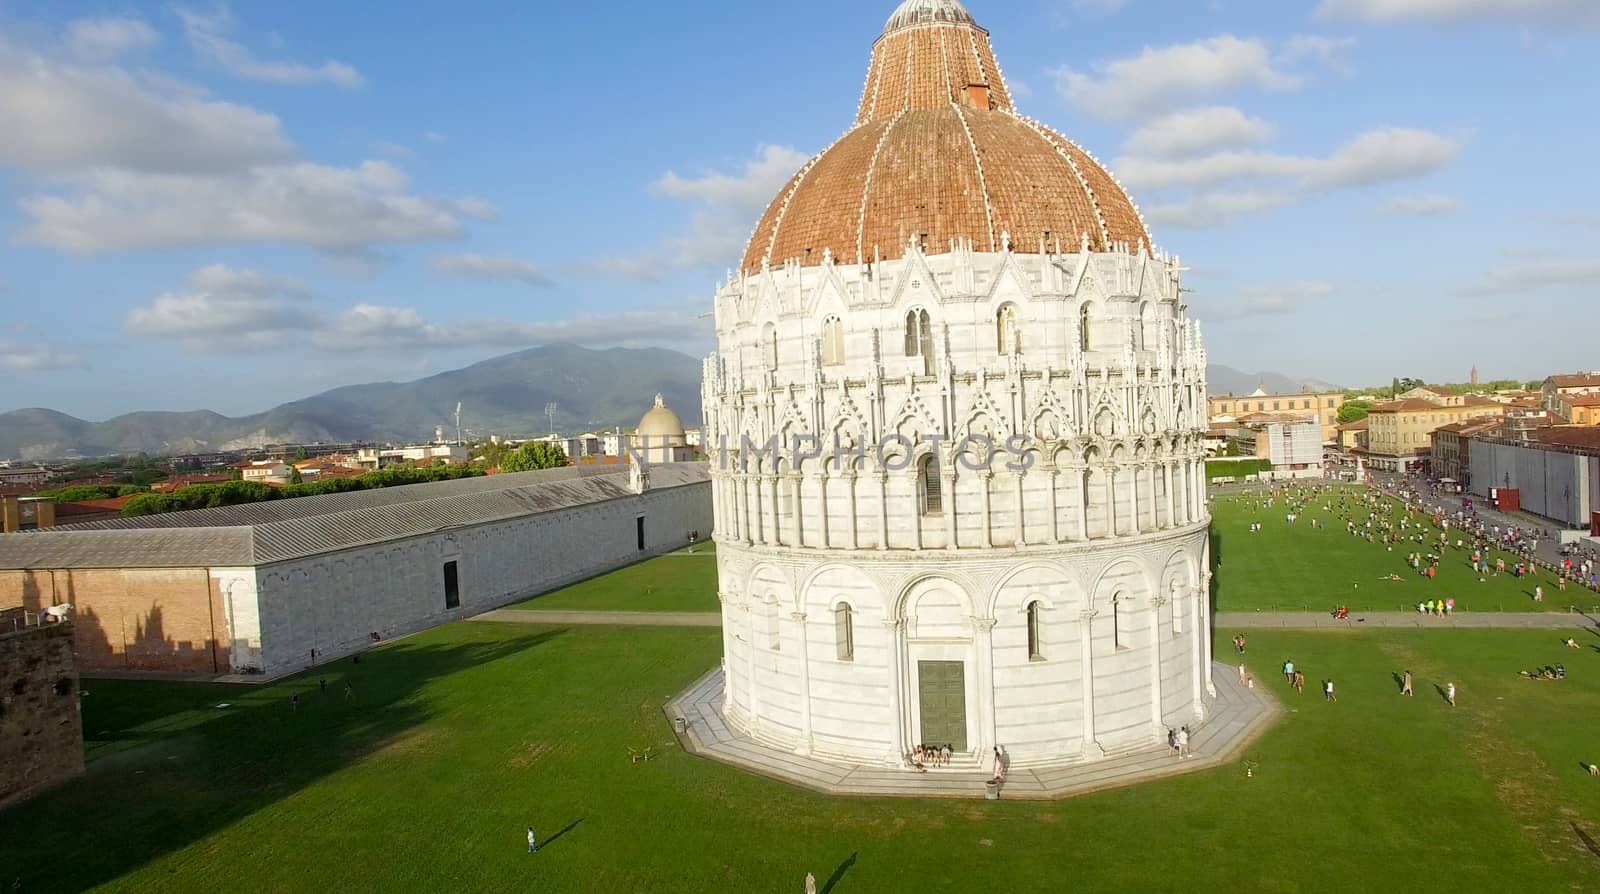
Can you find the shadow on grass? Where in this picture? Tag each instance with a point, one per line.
(1584, 837)
(165, 794)
(838, 874)
(568, 828)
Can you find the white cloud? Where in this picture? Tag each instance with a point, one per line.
(1536, 275)
(1213, 209)
(370, 327)
(209, 34)
(1191, 132)
(59, 118)
(1381, 155)
(104, 38)
(36, 357)
(339, 210)
(720, 224)
(224, 309)
(476, 208)
(1328, 51)
(1258, 301)
(1159, 79)
(1421, 206)
(495, 268)
(750, 190)
(1580, 13)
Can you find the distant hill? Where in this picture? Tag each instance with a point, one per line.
(1227, 380)
(503, 395)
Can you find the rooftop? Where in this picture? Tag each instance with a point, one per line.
(1575, 380)
(282, 530)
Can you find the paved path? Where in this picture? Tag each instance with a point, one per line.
(619, 619)
(1358, 620)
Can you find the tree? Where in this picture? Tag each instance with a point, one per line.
(533, 456)
(295, 477)
(1401, 386)
(301, 455)
(1354, 411)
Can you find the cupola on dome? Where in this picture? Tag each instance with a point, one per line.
(939, 155)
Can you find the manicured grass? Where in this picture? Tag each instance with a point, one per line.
(460, 737)
(683, 581)
(1286, 567)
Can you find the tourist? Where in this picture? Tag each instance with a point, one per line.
(1572, 643)
(1172, 742)
(1405, 684)
(349, 691)
(811, 884)
(1288, 672)
(1183, 743)
(1538, 593)
(1299, 682)
(294, 702)
(322, 685)
(944, 756)
(1450, 606)
(1594, 770)
(1238, 643)
(1450, 693)
(999, 767)
(533, 842)
(1243, 677)
(1327, 691)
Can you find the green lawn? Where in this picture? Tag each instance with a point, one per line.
(460, 737)
(1299, 568)
(683, 581)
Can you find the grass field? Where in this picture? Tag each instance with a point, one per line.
(459, 738)
(683, 581)
(1296, 567)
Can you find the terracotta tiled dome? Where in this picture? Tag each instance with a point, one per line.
(939, 153)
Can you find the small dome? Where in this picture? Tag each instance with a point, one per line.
(662, 426)
(919, 12)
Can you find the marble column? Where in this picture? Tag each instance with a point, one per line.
(795, 484)
(850, 489)
(897, 659)
(1197, 632)
(883, 509)
(983, 642)
(1091, 747)
(1155, 514)
(1018, 522)
(1082, 495)
(1053, 479)
(1112, 473)
(1155, 661)
(1133, 500)
(984, 478)
(822, 509)
(1203, 624)
(743, 495)
(918, 517)
(804, 746)
(947, 480)
(1172, 517)
(769, 487)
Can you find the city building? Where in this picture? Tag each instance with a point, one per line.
(1556, 387)
(275, 587)
(1323, 404)
(266, 471)
(1555, 471)
(950, 269)
(660, 437)
(23, 477)
(19, 513)
(1353, 436)
(371, 458)
(1294, 448)
(1451, 455)
(1400, 432)
(1578, 409)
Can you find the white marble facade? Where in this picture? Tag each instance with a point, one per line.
(1053, 598)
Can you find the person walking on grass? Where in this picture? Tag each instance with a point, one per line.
(1299, 682)
(1450, 693)
(533, 842)
(1288, 672)
(1327, 691)
(1405, 684)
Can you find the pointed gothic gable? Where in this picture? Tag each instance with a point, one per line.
(916, 285)
(983, 416)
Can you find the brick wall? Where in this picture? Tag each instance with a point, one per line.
(41, 733)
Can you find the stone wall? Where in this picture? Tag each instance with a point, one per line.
(41, 733)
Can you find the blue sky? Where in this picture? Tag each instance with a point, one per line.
(229, 207)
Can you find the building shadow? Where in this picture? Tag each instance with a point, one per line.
(228, 763)
(838, 874)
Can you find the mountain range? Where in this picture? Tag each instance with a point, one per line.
(506, 395)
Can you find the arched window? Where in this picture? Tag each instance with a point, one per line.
(832, 342)
(919, 338)
(1085, 327)
(1144, 326)
(929, 487)
(774, 635)
(769, 345)
(1035, 648)
(844, 631)
(1116, 623)
(1005, 325)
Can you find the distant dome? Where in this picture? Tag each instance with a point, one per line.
(662, 426)
(919, 12)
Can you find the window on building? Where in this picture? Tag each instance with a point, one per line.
(1261, 407)
(1005, 326)
(1330, 403)
(844, 632)
(638, 530)
(919, 337)
(832, 342)
(769, 345)
(452, 586)
(1305, 405)
(1035, 649)
(774, 633)
(1275, 405)
(1142, 333)
(929, 487)
(1086, 327)
(1116, 623)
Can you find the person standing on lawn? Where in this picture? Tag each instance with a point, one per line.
(1405, 684)
(533, 842)
(1450, 693)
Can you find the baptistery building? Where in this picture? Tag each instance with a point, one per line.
(954, 421)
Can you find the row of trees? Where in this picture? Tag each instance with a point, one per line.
(79, 493)
(236, 493)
